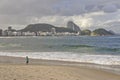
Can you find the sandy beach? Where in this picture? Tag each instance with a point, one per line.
(13, 68)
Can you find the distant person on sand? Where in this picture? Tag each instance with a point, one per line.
(27, 60)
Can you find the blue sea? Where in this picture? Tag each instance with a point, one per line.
(103, 50)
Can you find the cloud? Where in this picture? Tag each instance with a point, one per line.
(84, 21)
(54, 7)
(76, 7)
(26, 7)
(110, 8)
(108, 21)
(85, 13)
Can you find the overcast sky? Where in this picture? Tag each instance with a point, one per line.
(88, 14)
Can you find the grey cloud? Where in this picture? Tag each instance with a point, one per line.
(55, 7)
(109, 8)
(68, 8)
(76, 7)
(26, 7)
(89, 7)
(20, 12)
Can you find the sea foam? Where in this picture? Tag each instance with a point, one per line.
(68, 56)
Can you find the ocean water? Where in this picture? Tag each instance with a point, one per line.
(100, 50)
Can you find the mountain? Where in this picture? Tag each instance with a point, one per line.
(72, 28)
(86, 32)
(71, 25)
(44, 28)
(101, 32)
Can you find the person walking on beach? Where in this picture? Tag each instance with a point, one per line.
(27, 60)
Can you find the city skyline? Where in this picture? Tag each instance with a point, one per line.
(90, 14)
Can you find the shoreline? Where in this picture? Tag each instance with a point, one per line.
(16, 69)
(21, 61)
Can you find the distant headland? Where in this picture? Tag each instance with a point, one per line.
(43, 29)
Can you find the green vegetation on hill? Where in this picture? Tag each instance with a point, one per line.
(86, 32)
(101, 32)
(44, 28)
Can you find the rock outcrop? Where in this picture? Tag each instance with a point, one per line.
(71, 25)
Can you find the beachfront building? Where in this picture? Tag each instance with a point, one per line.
(29, 33)
(12, 32)
(1, 31)
(53, 31)
(8, 32)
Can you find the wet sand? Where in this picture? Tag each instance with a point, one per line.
(14, 68)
